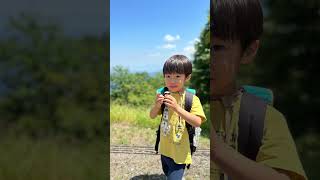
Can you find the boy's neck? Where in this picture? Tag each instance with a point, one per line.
(180, 91)
(227, 93)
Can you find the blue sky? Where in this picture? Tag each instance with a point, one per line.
(144, 33)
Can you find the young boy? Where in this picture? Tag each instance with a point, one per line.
(236, 26)
(174, 138)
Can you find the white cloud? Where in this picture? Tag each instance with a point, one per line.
(170, 38)
(194, 41)
(189, 50)
(169, 41)
(169, 46)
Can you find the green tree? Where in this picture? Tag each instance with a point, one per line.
(287, 60)
(201, 65)
(133, 88)
(52, 84)
(287, 63)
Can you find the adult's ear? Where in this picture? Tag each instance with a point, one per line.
(250, 52)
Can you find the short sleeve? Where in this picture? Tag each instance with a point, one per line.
(278, 149)
(197, 109)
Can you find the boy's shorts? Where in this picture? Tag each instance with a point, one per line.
(172, 170)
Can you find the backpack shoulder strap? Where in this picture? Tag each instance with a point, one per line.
(187, 106)
(251, 123)
(190, 129)
(156, 146)
(188, 101)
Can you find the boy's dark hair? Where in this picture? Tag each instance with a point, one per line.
(177, 64)
(236, 20)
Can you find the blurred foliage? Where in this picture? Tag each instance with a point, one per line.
(287, 60)
(308, 146)
(201, 65)
(137, 89)
(51, 158)
(287, 64)
(52, 84)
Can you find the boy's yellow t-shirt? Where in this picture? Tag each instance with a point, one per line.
(179, 151)
(278, 149)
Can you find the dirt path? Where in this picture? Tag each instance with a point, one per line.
(137, 160)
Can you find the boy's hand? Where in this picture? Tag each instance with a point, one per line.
(159, 100)
(171, 102)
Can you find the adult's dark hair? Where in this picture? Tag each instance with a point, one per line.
(236, 20)
(177, 64)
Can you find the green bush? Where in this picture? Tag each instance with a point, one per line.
(206, 125)
(52, 159)
(136, 89)
(309, 150)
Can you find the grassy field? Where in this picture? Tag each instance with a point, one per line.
(124, 134)
(51, 159)
(139, 116)
(133, 126)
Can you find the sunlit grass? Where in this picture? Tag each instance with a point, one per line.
(139, 116)
(133, 126)
(25, 159)
(132, 115)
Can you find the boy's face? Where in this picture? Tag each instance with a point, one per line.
(175, 82)
(225, 64)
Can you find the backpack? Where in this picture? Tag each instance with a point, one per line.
(191, 130)
(253, 107)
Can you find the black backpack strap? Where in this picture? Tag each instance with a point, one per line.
(190, 129)
(156, 146)
(188, 101)
(251, 123)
